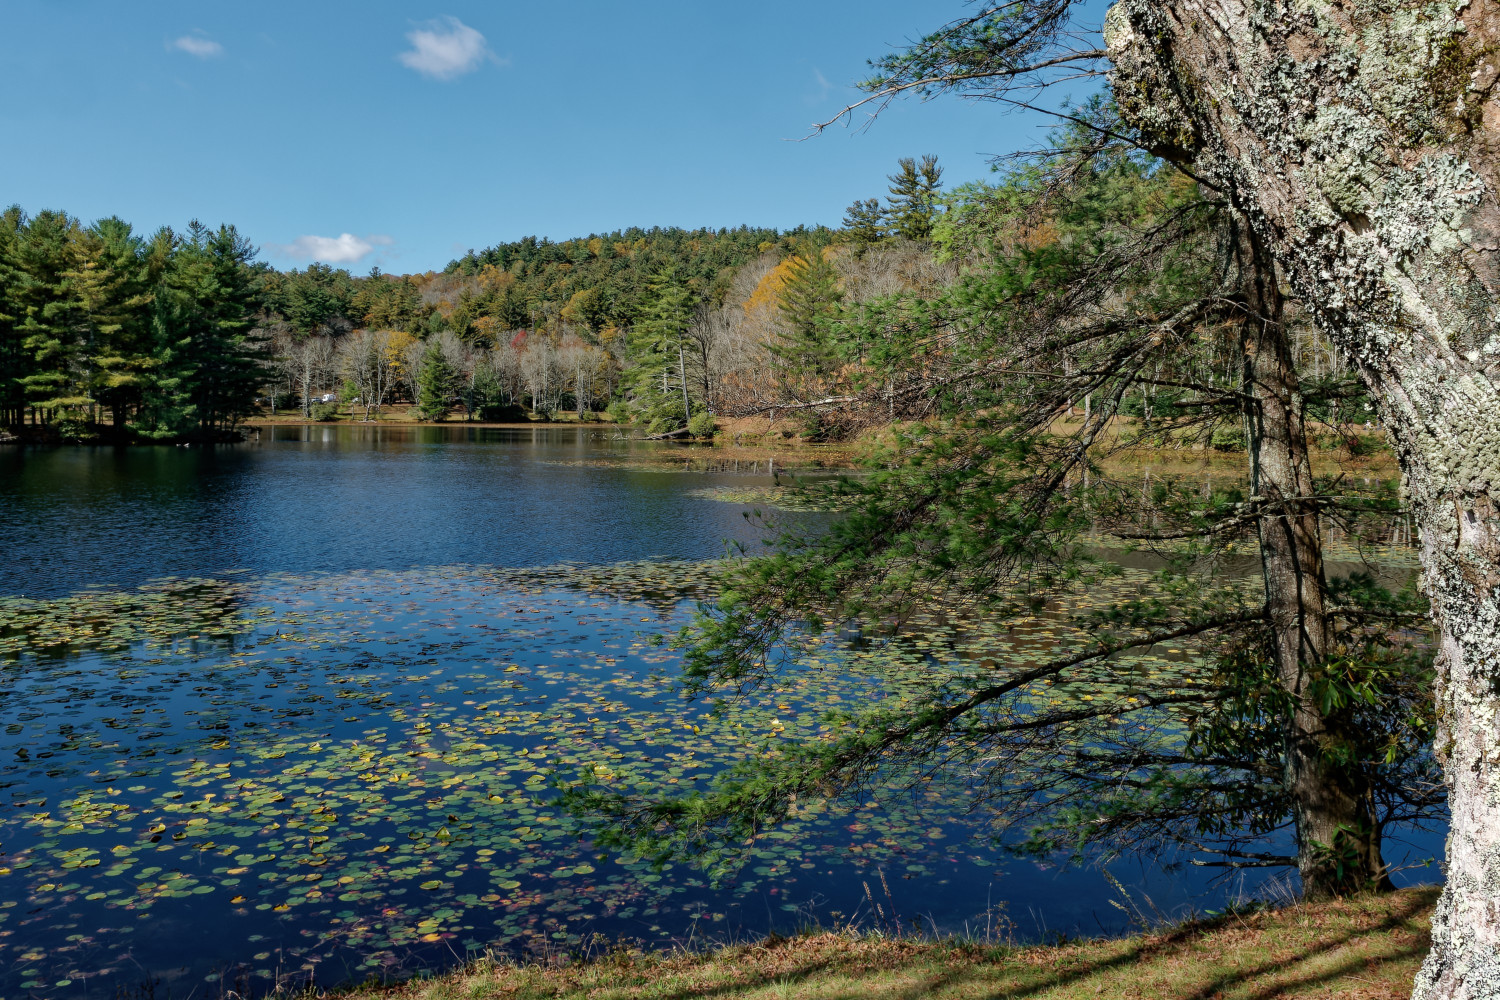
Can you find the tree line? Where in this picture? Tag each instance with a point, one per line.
(105, 332)
(156, 334)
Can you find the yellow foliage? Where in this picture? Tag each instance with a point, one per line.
(767, 294)
(492, 277)
(582, 300)
(487, 327)
(395, 350)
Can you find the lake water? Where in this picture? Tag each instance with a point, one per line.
(292, 711)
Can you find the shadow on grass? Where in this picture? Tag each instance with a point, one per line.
(1188, 963)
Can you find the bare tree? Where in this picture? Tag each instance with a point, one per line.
(310, 363)
(505, 359)
(369, 360)
(411, 367)
(538, 364)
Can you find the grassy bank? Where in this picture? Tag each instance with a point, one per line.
(1359, 949)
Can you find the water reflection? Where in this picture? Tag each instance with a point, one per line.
(328, 499)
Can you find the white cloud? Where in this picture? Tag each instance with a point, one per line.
(345, 248)
(444, 49)
(822, 88)
(198, 44)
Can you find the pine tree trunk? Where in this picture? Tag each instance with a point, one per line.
(1331, 804)
(1362, 139)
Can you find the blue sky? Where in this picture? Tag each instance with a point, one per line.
(402, 132)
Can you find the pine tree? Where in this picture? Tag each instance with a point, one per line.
(864, 224)
(111, 284)
(809, 303)
(54, 385)
(434, 383)
(912, 205)
(657, 356)
(15, 363)
(210, 359)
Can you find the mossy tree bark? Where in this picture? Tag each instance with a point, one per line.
(1362, 140)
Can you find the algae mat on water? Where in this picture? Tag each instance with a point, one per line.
(348, 775)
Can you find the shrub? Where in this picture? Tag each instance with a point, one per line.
(703, 424)
(72, 428)
(1228, 438)
(325, 411)
(663, 425)
(502, 413)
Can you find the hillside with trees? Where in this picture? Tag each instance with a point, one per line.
(100, 336)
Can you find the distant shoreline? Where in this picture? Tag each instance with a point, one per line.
(401, 422)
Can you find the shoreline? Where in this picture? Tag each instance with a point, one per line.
(1369, 947)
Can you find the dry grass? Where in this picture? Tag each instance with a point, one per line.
(1367, 948)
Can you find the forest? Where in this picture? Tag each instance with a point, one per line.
(109, 334)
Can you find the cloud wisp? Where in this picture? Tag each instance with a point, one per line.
(346, 248)
(822, 88)
(444, 49)
(199, 45)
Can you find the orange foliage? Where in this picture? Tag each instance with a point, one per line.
(1043, 234)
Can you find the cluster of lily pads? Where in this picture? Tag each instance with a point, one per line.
(789, 497)
(356, 775)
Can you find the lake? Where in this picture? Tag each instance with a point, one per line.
(293, 711)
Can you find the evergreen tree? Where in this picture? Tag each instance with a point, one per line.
(864, 224)
(317, 300)
(53, 332)
(210, 357)
(657, 373)
(808, 307)
(912, 205)
(15, 362)
(511, 311)
(434, 383)
(111, 281)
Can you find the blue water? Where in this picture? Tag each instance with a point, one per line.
(339, 498)
(329, 759)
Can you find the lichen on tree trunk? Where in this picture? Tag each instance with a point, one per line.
(1362, 141)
